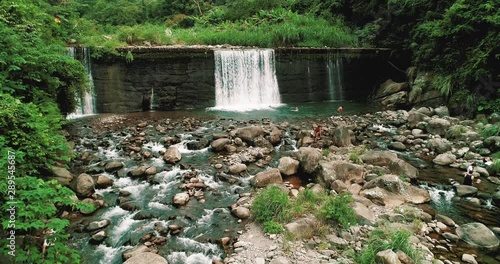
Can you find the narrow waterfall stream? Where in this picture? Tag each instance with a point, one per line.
(245, 80)
(86, 100)
(335, 77)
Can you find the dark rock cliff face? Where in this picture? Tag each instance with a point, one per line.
(177, 82)
(306, 76)
(184, 79)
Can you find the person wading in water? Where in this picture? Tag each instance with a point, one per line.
(469, 177)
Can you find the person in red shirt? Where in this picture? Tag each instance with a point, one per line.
(340, 110)
(317, 132)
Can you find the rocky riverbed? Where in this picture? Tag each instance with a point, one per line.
(180, 188)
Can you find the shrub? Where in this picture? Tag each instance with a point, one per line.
(307, 201)
(490, 130)
(455, 131)
(381, 240)
(338, 209)
(495, 166)
(29, 137)
(272, 227)
(270, 205)
(325, 152)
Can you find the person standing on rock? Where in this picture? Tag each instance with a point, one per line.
(317, 132)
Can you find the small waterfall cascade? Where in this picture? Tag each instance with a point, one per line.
(152, 100)
(245, 80)
(85, 101)
(335, 70)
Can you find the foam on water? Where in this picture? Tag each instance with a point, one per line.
(155, 147)
(206, 248)
(114, 211)
(245, 107)
(158, 205)
(109, 153)
(383, 128)
(182, 147)
(109, 254)
(136, 190)
(157, 162)
(183, 258)
(122, 228)
(209, 180)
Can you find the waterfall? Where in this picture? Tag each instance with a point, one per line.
(245, 80)
(335, 80)
(151, 100)
(86, 102)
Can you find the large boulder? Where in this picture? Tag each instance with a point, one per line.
(390, 87)
(103, 181)
(172, 155)
(478, 235)
(113, 166)
(241, 212)
(94, 225)
(248, 134)
(265, 178)
(136, 251)
(438, 145)
(415, 117)
(308, 158)
(394, 100)
(387, 257)
(341, 137)
(288, 166)
(219, 145)
(303, 227)
(363, 213)
(438, 126)
(275, 136)
(61, 175)
(492, 143)
(390, 160)
(146, 257)
(329, 171)
(390, 191)
(237, 168)
(84, 185)
(444, 159)
(180, 199)
(465, 190)
(442, 111)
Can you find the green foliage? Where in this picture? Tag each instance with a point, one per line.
(337, 209)
(490, 130)
(32, 131)
(36, 209)
(272, 227)
(31, 67)
(382, 240)
(495, 166)
(270, 205)
(355, 155)
(442, 84)
(325, 152)
(455, 131)
(129, 57)
(306, 202)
